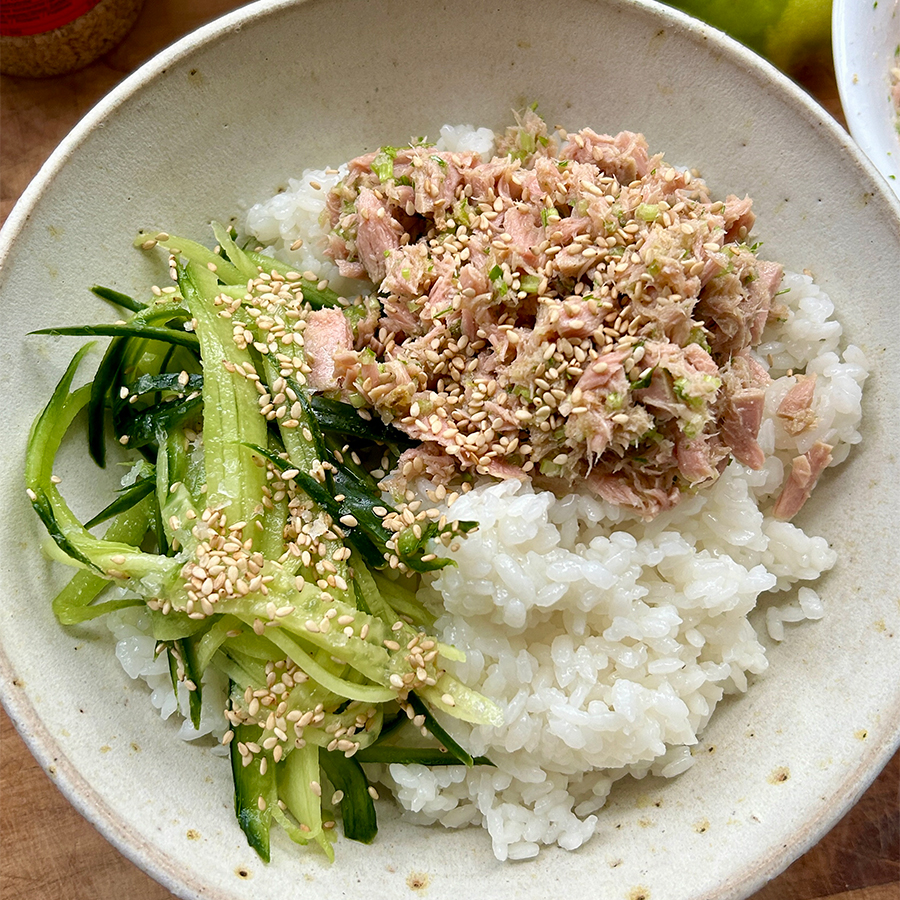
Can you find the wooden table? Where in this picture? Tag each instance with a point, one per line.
(47, 851)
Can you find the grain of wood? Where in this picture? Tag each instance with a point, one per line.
(881, 892)
(49, 852)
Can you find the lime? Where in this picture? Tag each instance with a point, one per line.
(790, 33)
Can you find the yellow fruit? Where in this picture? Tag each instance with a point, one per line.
(791, 33)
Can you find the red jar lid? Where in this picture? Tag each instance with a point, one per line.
(20, 18)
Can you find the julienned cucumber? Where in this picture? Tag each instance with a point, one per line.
(252, 544)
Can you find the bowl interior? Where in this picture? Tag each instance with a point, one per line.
(866, 39)
(223, 119)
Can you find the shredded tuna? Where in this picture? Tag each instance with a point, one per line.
(742, 408)
(805, 472)
(795, 410)
(327, 334)
(574, 310)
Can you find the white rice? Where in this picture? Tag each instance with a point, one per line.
(296, 213)
(135, 650)
(607, 641)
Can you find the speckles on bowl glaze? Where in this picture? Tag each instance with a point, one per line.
(417, 881)
(638, 893)
(779, 775)
(193, 834)
(243, 873)
(701, 826)
(700, 749)
(861, 734)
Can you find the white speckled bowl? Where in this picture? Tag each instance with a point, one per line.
(224, 117)
(865, 37)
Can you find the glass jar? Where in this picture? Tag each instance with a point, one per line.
(40, 38)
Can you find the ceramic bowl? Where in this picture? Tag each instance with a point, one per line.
(866, 43)
(223, 118)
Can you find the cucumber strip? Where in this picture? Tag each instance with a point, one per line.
(210, 641)
(371, 596)
(366, 693)
(322, 737)
(174, 500)
(166, 381)
(344, 419)
(239, 674)
(423, 756)
(115, 559)
(235, 291)
(438, 732)
(73, 603)
(118, 561)
(468, 705)
(315, 296)
(174, 625)
(142, 428)
(270, 541)
(119, 299)
(251, 648)
(151, 332)
(249, 787)
(303, 453)
(251, 645)
(101, 609)
(194, 252)
(128, 497)
(298, 835)
(230, 410)
(357, 807)
(238, 258)
(192, 671)
(403, 600)
(173, 669)
(295, 778)
(107, 374)
(48, 428)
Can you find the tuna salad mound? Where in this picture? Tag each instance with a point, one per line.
(466, 473)
(574, 309)
(588, 336)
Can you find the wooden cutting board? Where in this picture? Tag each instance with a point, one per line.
(47, 851)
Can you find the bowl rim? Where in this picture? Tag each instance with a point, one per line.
(23, 714)
(853, 101)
